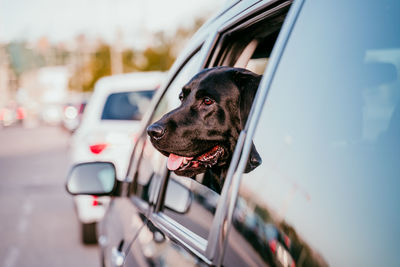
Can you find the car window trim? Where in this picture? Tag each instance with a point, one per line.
(196, 245)
(264, 12)
(234, 24)
(191, 241)
(138, 149)
(204, 47)
(206, 249)
(236, 171)
(133, 161)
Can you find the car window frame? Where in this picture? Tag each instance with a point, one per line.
(235, 173)
(204, 248)
(259, 13)
(136, 156)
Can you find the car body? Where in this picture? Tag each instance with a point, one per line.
(108, 131)
(11, 115)
(72, 115)
(326, 123)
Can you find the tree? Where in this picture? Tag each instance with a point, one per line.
(158, 56)
(88, 73)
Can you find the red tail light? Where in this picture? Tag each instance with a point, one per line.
(98, 148)
(20, 113)
(95, 202)
(272, 245)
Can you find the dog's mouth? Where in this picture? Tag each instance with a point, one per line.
(205, 160)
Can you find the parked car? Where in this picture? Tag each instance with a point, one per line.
(12, 114)
(326, 123)
(107, 133)
(72, 115)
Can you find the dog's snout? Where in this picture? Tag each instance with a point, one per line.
(156, 131)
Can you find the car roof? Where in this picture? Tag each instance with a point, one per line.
(137, 81)
(130, 81)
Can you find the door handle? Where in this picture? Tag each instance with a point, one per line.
(117, 255)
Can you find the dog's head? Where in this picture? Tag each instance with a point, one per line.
(202, 132)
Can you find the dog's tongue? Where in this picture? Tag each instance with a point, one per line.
(174, 161)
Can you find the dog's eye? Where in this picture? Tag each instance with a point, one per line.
(181, 97)
(208, 101)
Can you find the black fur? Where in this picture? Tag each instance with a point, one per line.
(194, 127)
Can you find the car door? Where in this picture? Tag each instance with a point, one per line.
(326, 125)
(160, 230)
(181, 227)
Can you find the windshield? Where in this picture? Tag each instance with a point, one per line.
(126, 105)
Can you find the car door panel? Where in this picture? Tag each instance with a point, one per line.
(119, 228)
(326, 193)
(183, 242)
(154, 248)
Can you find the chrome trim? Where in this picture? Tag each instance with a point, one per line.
(212, 252)
(233, 18)
(177, 66)
(213, 46)
(191, 241)
(142, 205)
(254, 7)
(214, 237)
(137, 150)
(117, 257)
(256, 110)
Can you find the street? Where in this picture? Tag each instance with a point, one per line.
(38, 226)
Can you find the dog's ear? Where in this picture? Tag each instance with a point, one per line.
(247, 82)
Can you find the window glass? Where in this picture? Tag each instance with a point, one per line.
(126, 105)
(200, 205)
(250, 47)
(152, 163)
(329, 137)
(246, 48)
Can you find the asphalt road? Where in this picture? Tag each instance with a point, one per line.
(38, 225)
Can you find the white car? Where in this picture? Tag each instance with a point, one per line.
(108, 131)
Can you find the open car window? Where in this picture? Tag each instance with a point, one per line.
(151, 168)
(246, 46)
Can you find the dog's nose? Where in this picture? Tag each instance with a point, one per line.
(156, 131)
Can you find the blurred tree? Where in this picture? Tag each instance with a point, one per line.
(100, 65)
(159, 55)
(164, 49)
(88, 73)
(128, 60)
(23, 58)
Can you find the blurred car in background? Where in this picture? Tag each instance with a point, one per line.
(7, 117)
(107, 133)
(72, 115)
(51, 113)
(11, 114)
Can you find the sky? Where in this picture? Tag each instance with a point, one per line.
(62, 20)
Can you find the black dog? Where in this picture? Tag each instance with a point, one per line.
(200, 135)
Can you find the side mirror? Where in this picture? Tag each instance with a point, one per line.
(178, 198)
(92, 178)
